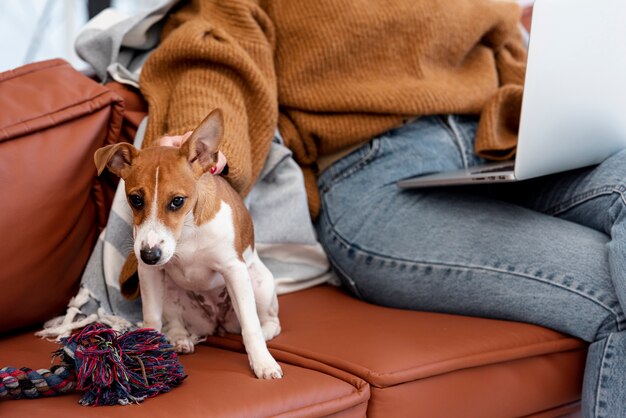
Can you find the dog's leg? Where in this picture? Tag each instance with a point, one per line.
(265, 297)
(151, 285)
(241, 294)
(176, 301)
(229, 321)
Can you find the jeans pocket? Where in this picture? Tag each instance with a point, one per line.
(350, 164)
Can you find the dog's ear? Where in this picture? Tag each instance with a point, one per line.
(117, 158)
(129, 280)
(203, 144)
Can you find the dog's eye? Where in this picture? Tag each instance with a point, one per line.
(177, 203)
(136, 201)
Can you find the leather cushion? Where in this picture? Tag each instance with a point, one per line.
(441, 365)
(220, 383)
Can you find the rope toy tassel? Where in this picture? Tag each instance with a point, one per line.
(111, 367)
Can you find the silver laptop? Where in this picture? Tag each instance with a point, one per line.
(574, 103)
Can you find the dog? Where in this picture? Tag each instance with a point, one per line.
(194, 237)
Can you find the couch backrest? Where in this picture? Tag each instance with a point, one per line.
(52, 205)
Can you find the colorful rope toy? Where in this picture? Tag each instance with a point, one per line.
(113, 368)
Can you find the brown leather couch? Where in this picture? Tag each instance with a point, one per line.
(341, 357)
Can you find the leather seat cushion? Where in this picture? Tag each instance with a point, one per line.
(440, 365)
(219, 383)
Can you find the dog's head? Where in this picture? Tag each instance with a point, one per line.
(161, 185)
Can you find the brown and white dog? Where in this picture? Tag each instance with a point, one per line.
(194, 238)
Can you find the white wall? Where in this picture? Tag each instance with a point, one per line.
(35, 30)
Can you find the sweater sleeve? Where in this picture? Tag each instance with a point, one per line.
(216, 54)
(496, 137)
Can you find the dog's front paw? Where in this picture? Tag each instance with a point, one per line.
(267, 369)
(183, 345)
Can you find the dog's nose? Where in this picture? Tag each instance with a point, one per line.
(150, 255)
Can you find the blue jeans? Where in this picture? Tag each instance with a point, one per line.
(550, 251)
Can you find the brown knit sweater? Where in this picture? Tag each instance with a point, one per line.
(332, 74)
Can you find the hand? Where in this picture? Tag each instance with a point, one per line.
(178, 140)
